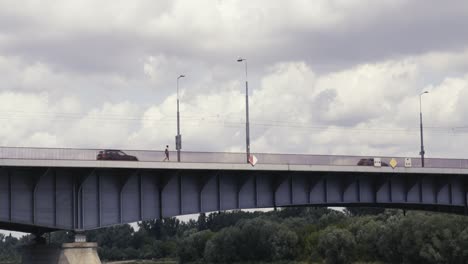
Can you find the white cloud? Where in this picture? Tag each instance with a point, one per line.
(378, 105)
(325, 76)
(366, 109)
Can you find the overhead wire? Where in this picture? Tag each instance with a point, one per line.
(228, 121)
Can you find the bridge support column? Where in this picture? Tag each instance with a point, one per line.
(78, 252)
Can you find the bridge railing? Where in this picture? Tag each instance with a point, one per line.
(220, 157)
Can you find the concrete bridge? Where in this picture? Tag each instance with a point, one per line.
(43, 190)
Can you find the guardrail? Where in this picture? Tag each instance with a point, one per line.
(220, 157)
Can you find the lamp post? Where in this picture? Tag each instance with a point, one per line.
(178, 136)
(247, 126)
(421, 128)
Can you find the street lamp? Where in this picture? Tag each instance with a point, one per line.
(247, 126)
(178, 138)
(421, 126)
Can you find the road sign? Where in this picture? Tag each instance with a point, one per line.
(393, 163)
(253, 160)
(377, 162)
(408, 163)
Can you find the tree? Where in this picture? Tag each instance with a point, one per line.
(336, 245)
(218, 221)
(284, 244)
(60, 237)
(192, 247)
(9, 248)
(222, 248)
(310, 244)
(360, 211)
(252, 240)
(389, 244)
(461, 251)
(202, 224)
(331, 218)
(367, 232)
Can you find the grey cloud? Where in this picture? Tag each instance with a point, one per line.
(410, 31)
(412, 28)
(322, 101)
(103, 64)
(84, 53)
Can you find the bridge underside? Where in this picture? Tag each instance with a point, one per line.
(42, 199)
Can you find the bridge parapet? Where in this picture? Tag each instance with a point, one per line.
(221, 157)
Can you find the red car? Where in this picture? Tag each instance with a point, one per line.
(113, 154)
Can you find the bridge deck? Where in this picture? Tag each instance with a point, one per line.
(49, 189)
(224, 166)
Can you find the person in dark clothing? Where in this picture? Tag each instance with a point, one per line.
(166, 152)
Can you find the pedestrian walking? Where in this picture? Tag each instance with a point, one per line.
(166, 152)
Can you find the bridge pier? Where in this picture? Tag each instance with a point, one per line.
(78, 252)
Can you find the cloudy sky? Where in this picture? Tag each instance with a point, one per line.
(325, 76)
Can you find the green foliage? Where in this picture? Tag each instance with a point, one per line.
(362, 211)
(163, 229)
(61, 237)
(310, 235)
(311, 249)
(169, 248)
(367, 231)
(336, 245)
(284, 244)
(332, 218)
(461, 246)
(115, 242)
(192, 247)
(222, 248)
(202, 222)
(218, 221)
(9, 248)
(252, 240)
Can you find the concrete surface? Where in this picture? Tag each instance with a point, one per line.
(70, 253)
(79, 253)
(223, 166)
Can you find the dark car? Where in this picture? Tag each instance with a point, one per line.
(370, 162)
(113, 154)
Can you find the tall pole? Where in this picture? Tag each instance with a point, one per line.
(178, 136)
(247, 125)
(421, 129)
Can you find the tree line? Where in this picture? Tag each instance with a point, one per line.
(289, 235)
